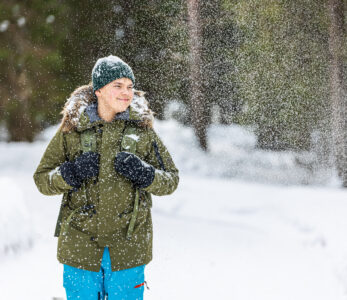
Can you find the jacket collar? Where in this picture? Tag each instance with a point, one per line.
(91, 118)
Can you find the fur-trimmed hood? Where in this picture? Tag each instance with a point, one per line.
(83, 97)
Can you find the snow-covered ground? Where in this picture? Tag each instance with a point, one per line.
(219, 236)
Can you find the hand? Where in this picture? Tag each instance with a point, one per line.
(135, 169)
(83, 167)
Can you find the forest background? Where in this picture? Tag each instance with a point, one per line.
(277, 67)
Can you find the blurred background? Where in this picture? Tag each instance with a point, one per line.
(275, 67)
(250, 99)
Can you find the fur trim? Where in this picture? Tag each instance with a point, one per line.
(84, 95)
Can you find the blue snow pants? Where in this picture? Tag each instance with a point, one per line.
(125, 284)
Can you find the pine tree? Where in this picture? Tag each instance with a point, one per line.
(32, 79)
(282, 69)
(337, 45)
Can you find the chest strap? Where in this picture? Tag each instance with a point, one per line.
(129, 143)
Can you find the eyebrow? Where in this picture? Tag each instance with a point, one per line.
(123, 83)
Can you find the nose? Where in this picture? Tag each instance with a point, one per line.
(126, 91)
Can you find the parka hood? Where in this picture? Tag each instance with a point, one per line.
(80, 110)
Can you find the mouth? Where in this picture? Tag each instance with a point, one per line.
(125, 100)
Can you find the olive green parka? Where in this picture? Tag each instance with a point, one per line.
(97, 215)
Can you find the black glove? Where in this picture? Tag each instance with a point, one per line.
(83, 167)
(135, 169)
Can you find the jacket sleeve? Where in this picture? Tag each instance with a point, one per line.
(47, 176)
(166, 174)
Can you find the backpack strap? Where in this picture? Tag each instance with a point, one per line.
(88, 140)
(129, 139)
(87, 143)
(157, 154)
(134, 215)
(129, 142)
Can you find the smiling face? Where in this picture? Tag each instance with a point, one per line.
(115, 97)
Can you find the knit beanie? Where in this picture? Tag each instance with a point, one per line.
(110, 68)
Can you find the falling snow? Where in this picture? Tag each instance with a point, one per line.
(21, 21)
(261, 213)
(50, 19)
(4, 25)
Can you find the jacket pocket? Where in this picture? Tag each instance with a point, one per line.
(125, 217)
(80, 212)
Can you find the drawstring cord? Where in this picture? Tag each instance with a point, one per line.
(134, 215)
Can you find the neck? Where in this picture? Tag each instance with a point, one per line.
(105, 112)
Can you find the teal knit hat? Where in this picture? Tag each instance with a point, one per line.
(110, 68)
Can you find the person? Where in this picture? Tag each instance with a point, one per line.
(107, 161)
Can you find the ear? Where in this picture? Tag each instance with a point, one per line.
(97, 93)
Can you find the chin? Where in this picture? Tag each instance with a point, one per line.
(121, 108)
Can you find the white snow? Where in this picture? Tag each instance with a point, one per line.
(21, 21)
(4, 25)
(233, 154)
(53, 172)
(133, 137)
(50, 19)
(111, 61)
(16, 228)
(72, 103)
(119, 33)
(221, 235)
(162, 172)
(139, 104)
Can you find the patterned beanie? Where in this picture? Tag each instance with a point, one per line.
(110, 68)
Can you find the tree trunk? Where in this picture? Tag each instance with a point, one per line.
(337, 92)
(18, 120)
(197, 107)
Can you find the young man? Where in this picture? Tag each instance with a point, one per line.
(106, 160)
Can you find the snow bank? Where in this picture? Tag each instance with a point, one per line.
(19, 227)
(233, 154)
(16, 228)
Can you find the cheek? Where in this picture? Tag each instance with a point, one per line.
(115, 93)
